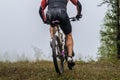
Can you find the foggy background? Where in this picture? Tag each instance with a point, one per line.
(24, 36)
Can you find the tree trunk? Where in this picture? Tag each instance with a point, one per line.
(118, 29)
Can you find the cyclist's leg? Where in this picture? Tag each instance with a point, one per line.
(67, 29)
(69, 44)
(52, 31)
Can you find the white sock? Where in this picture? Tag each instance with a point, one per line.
(70, 58)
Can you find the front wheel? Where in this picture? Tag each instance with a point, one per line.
(57, 57)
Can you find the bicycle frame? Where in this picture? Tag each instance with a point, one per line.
(61, 39)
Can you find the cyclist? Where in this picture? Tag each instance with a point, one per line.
(57, 10)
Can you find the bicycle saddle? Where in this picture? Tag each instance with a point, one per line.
(55, 22)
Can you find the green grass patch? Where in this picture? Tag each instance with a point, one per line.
(44, 70)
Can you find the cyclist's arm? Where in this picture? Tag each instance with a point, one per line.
(78, 6)
(41, 10)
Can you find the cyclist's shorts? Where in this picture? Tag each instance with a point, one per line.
(62, 16)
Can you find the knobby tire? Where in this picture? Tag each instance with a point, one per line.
(57, 59)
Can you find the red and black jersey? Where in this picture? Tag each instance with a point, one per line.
(56, 3)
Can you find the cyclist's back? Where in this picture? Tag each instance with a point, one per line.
(57, 9)
(57, 3)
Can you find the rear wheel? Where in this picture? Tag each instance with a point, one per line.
(58, 59)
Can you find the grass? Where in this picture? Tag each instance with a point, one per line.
(44, 70)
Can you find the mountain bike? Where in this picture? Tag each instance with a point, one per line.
(59, 49)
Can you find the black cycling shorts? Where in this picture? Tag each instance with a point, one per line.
(62, 16)
(65, 25)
